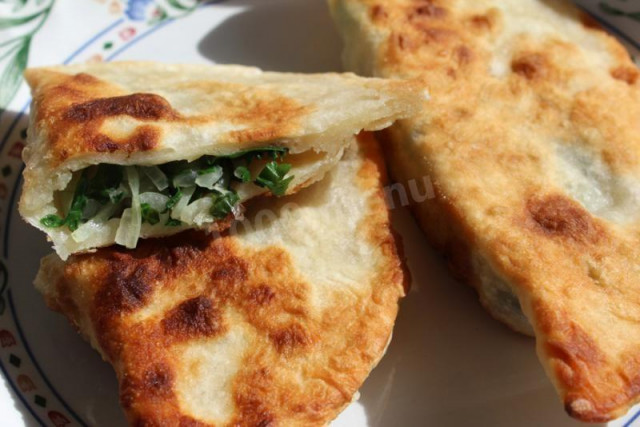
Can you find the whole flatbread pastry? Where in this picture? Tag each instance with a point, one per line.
(531, 144)
(276, 323)
(119, 151)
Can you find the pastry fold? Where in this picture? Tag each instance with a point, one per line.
(277, 322)
(119, 151)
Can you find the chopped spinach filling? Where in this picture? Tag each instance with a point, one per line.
(173, 193)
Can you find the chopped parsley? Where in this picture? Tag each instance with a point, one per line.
(173, 200)
(107, 189)
(242, 173)
(173, 222)
(149, 214)
(274, 177)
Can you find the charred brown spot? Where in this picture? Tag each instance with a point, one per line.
(174, 253)
(438, 35)
(128, 392)
(424, 18)
(428, 10)
(290, 338)
(251, 405)
(261, 295)
(142, 106)
(103, 144)
(627, 74)
(233, 271)
(531, 66)
(378, 13)
(78, 118)
(73, 110)
(125, 290)
(482, 22)
(160, 257)
(144, 138)
(402, 42)
(190, 422)
(158, 380)
(196, 317)
(254, 414)
(558, 216)
(464, 55)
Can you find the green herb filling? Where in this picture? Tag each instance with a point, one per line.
(154, 194)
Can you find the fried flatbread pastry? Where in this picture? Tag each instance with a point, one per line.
(532, 145)
(278, 322)
(118, 151)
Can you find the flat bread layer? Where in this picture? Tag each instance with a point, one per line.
(145, 114)
(531, 142)
(277, 322)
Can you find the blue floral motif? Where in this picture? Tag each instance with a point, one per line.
(136, 9)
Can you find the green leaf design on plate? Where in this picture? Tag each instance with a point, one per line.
(12, 22)
(20, 4)
(614, 11)
(17, 4)
(177, 5)
(162, 15)
(14, 53)
(174, 9)
(11, 77)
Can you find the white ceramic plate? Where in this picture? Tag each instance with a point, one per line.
(449, 364)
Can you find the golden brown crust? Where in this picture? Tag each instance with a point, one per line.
(558, 216)
(72, 110)
(312, 339)
(531, 141)
(143, 113)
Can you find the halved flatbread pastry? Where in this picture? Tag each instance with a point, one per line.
(278, 322)
(531, 142)
(118, 151)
